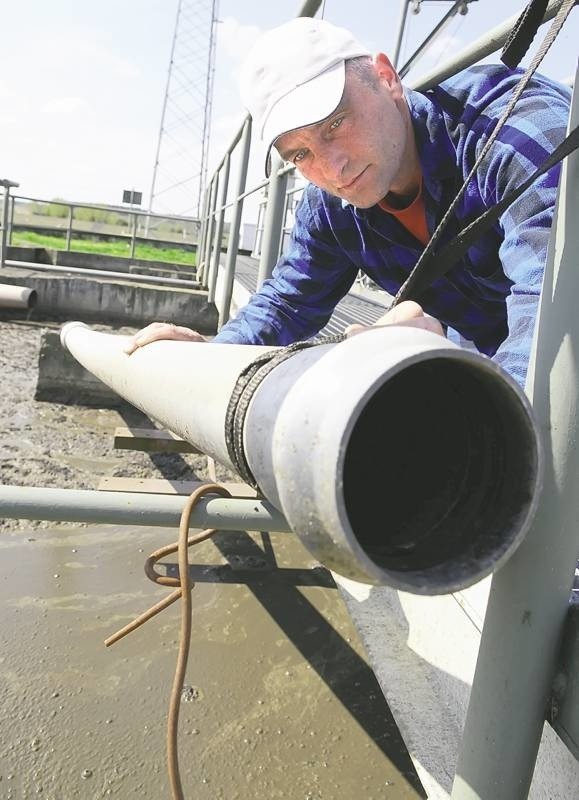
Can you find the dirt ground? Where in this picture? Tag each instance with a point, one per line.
(63, 446)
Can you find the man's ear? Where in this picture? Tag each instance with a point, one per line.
(386, 73)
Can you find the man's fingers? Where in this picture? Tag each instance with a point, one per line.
(407, 313)
(157, 331)
(408, 310)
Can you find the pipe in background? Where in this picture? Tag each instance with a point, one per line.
(17, 296)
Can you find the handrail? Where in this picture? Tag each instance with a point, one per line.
(489, 43)
(112, 209)
(273, 240)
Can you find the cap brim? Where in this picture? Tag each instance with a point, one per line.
(305, 105)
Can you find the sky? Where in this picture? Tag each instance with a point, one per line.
(82, 83)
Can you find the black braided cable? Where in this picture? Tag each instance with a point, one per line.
(522, 35)
(407, 289)
(247, 382)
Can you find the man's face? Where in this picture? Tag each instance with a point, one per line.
(365, 148)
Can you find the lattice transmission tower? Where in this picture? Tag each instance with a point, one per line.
(180, 169)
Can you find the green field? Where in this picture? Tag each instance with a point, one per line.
(123, 249)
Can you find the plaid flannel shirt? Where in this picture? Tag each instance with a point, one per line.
(490, 297)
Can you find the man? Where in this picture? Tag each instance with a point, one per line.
(384, 164)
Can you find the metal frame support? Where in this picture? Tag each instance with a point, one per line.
(134, 508)
(458, 7)
(69, 228)
(11, 222)
(134, 236)
(488, 43)
(309, 8)
(273, 223)
(214, 266)
(235, 225)
(400, 36)
(203, 232)
(529, 598)
(7, 184)
(204, 278)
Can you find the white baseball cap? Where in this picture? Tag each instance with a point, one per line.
(294, 76)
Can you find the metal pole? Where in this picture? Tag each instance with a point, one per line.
(163, 111)
(401, 27)
(102, 273)
(133, 508)
(7, 184)
(210, 229)
(529, 597)
(233, 245)
(214, 268)
(209, 100)
(11, 223)
(134, 236)
(202, 233)
(69, 229)
(309, 8)
(491, 41)
(273, 222)
(459, 5)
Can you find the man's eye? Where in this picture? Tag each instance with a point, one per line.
(336, 123)
(299, 156)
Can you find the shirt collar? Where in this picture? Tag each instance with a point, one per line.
(435, 149)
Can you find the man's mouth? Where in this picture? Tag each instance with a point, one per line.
(353, 182)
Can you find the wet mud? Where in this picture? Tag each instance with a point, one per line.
(279, 700)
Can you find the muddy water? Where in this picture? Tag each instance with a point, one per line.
(279, 700)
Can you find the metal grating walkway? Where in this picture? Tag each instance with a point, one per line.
(353, 307)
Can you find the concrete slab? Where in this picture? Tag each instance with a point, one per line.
(61, 379)
(128, 303)
(424, 651)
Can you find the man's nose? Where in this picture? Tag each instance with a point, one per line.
(334, 161)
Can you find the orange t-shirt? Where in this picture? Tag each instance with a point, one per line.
(413, 217)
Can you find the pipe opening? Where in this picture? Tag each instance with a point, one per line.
(440, 470)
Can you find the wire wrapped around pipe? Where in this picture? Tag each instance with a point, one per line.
(247, 383)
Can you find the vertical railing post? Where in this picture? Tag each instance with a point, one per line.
(273, 222)
(202, 233)
(7, 184)
(69, 228)
(210, 229)
(134, 235)
(400, 35)
(529, 597)
(11, 222)
(214, 265)
(233, 245)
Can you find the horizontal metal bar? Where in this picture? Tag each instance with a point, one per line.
(132, 508)
(110, 209)
(135, 277)
(480, 48)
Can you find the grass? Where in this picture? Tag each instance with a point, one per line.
(123, 249)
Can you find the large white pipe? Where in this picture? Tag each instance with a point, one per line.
(17, 296)
(397, 457)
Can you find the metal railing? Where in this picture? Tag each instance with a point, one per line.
(273, 226)
(519, 742)
(529, 597)
(82, 220)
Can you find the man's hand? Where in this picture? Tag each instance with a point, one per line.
(162, 330)
(407, 313)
